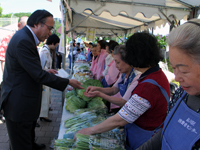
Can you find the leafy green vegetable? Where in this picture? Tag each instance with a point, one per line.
(70, 93)
(79, 118)
(89, 82)
(73, 103)
(96, 103)
(98, 111)
(64, 143)
(88, 141)
(84, 67)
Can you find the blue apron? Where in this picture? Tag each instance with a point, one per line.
(123, 86)
(104, 82)
(136, 136)
(181, 128)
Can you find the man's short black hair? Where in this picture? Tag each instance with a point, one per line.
(53, 39)
(38, 16)
(142, 50)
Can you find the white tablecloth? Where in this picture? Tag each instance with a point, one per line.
(65, 115)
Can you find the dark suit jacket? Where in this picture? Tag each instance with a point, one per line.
(23, 78)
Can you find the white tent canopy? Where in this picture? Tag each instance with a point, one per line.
(122, 16)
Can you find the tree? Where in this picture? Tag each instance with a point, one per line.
(22, 14)
(1, 9)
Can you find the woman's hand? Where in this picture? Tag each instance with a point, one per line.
(85, 131)
(92, 94)
(75, 84)
(91, 89)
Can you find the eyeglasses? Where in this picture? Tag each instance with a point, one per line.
(50, 28)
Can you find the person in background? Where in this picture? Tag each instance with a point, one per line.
(181, 127)
(4, 42)
(95, 58)
(78, 45)
(101, 45)
(23, 79)
(89, 53)
(46, 62)
(58, 58)
(72, 53)
(147, 108)
(110, 74)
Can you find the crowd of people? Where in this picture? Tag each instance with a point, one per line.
(138, 92)
(136, 89)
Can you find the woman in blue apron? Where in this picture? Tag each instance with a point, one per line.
(181, 129)
(146, 109)
(118, 93)
(111, 74)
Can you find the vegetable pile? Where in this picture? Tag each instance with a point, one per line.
(77, 100)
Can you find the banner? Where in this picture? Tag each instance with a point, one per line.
(91, 33)
(62, 42)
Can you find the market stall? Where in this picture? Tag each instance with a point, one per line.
(80, 112)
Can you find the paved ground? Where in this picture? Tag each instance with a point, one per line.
(47, 131)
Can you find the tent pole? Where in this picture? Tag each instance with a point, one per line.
(63, 60)
(167, 18)
(116, 35)
(72, 54)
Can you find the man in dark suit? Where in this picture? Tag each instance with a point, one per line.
(23, 79)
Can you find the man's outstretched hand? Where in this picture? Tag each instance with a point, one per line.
(75, 84)
(53, 71)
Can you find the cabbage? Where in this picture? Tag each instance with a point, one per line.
(96, 103)
(73, 103)
(89, 82)
(70, 93)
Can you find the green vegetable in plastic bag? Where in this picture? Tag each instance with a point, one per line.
(64, 143)
(79, 118)
(70, 93)
(96, 103)
(98, 111)
(89, 141)
(73, 103)
(89, 82)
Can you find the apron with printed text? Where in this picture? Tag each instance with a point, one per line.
(136, 136)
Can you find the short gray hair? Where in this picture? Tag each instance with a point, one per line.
(187, 38)
(121, 50)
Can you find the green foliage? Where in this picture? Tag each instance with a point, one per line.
(168, 64)
(6, 15)
(15, 14)
(22, 14)
(162, 40)
(56, 27)
(1, 9)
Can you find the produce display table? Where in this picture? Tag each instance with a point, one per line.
(65, 115)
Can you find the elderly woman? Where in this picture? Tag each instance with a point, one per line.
(146, 109)
(95, 58)
(101, 45)
(110, 73)
(181, 127)
(123, 86)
